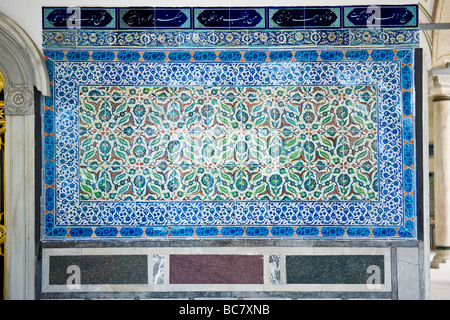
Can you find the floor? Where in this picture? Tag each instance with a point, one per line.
(440, 284)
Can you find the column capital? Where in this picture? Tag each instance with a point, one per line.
(439, 83)
(19, 100)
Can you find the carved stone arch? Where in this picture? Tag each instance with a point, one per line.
(23, 68)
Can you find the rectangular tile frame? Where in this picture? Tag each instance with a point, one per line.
(406, 229)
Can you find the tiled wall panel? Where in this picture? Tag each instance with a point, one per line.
(219, 123)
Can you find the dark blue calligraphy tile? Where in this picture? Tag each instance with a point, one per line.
(305, 17)
(137, 18)
(214, 18)
(154, 18)
(89, 18)
(380, 16)
(167, 18)
(229, 18)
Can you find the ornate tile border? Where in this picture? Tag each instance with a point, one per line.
(394, 216)
(144, 39)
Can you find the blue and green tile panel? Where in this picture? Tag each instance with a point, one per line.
(229, 123)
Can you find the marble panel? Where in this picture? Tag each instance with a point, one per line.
(335, 269)
(216, 269)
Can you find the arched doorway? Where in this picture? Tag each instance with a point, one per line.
(23, 69)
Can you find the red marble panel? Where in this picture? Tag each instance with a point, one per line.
(216, 269)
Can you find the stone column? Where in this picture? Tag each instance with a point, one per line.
(20, 182)
(439, 88)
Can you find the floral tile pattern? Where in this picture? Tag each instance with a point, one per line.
(142, 140)
(228, 143)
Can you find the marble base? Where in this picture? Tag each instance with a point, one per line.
(233, 272)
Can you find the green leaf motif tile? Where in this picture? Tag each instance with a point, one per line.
(228, 143)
